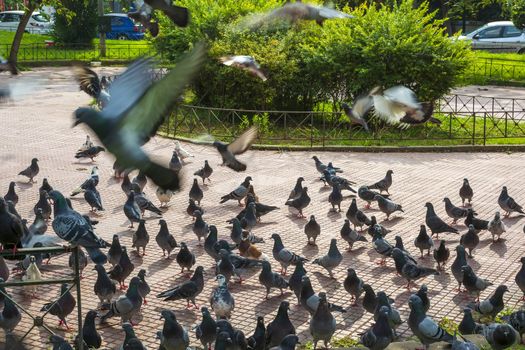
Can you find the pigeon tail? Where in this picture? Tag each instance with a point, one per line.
(96, 255)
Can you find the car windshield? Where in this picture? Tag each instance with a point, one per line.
(39, 18)
(476, 30)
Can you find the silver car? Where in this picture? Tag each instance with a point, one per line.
(38, 24)
(500, 36)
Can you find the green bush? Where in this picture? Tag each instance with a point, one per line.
(517, 13)
(78, 25)
(308, 65)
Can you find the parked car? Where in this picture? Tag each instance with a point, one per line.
(500, 36)
(123, 28)
(38, 24)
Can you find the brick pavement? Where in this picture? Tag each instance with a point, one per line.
(41, 127)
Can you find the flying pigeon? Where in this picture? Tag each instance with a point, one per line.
(90, 83)
(7, 66)
(244, 62)
(240, 145)
(358, 111)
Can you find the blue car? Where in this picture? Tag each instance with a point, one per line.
(123, 28)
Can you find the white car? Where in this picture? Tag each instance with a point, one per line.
(38, 24)
(500, 36)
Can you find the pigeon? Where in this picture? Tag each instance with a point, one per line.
(358, 111)
(331, 260)
(300, 202)
(312, 229)
(225, 266)
(120, 172)
(249, 220)
(435, 223)
(175, 164)
(248, 249)
(236, 232)
(465, 192)
(500, 336)
(91, 337)
(135, 112)
(321, 167)
(31, 171)
(373, 223)
(473, 284)
(181, 151)
(82, 261)
(192, 207)
(7, 66)
(478, 224)
(240, 145)
(369, 299)
(247, 63)
(221, 300)
(188, 290)
(322, 323)
(493, 305)
(424, 327)
(368, 195)
(143, 15)
(271, 279)
(469, 240)
(164, 239)
(209, 243)
(132, 209)
(63, 306)
(141, 180)
(126, 184)
(104, 288)
(459, 262)
(45, 186)
(127, 305)
(336, 197)
(467, 324)
(12, 343)
(356, 216)
(239, 193)
(517, 321)
(144, 288)
(11, 228)
(331, 179)
(353, 285)
(90, 83)
(295, 281)
(75, 229)
(422, 293)
(143, 202)
(115, 251)
(206, 331)
(280, 327)
(90, 153)
(200, 227)
(387, 206)
(140, 238)
(122, 270)
(508, 204)
(520, 278)
(288, 343)
(185, 258)
(310, 300)
(164, 196)
(260, 209)
(10, 315)
(384, 184)
(204, 172)
(94, 176)
(454, 212)
(296, 192)
(284, 256)
(59, 343)
(423, 241)
(92, 196)
(496, 227)
(178, 15)
(173, 336)
(411, 271)
(258, 340)
(131, 342)
(441, 255)
(380, 335)
(11, 194)
(394, 318)
(43, 204)
(87, 144)
(32, 274)
(381, 246)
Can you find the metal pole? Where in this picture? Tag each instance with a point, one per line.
(79, 299)
(102, 35)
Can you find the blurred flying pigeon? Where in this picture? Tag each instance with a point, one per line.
(136, 110)
(466, 192)
(435, 223)
(358, 111)
(7, 66)
(143, 15)
(244, 62)
(424, 328)
(383, 184)
(496, 227)
(204, 172)
(188, 290)
(90, 83)
(508, 204)
(240, 145)
(31, 171)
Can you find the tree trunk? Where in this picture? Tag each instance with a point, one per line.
(17, 40)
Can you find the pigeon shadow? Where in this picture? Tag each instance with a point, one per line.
(24, 185)
(112, 181)
(325, 280)
(117, 209)
(499, 247)
(355, 251)
(461, 298)
(392, 221)
(443, 278)
(310, 250)
(325, 189)
(333, 215)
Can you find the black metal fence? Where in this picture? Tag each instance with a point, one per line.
(496, 69)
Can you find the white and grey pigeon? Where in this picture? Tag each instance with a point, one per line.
(181, 151)
(496, 227)
(239, 193)
(492, 306)
(358, 111)
(238, 146)
(173, 335)
(508, 204)
(244, 62)
(221, 300)
(425, 328)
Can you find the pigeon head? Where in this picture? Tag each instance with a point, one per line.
(284, 305)
(199, 270)
(63, 288)
(446, 200)
(373, 220)
(34, 161)
(128, 328)
(221, 280)
(12, 185)
(289, 342)
(32, 259)
(134, 282)
(471, 228)
(504, 336)
(223, 252)
(390, 172)
(305, 189)
(501, 289)
(368, 288)
(504, 189)
(423, 289)
(429, 205)
(183, 245)
(300, 179)
(142, 273)
(131, 195)
(260, 320)
(205, 311)
(305, 280)
(522, 260)
(248, 179)
(465, 181)
(195, 182)
(90, 117)
(351, 271)
(442, 243)
(415, 302)
(162, 222)
(168, 315)
(497, 215)
(91, 315)
(223, 337)
(466, 269)
(276, 237)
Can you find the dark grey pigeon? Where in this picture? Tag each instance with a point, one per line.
(517, 321)
(454, 212)
(63, 306)
(473, 284)
(249, 220)
(295, 282)
(75, 229)
(126, 305)
(422, 293)
(239, 193)
(82, 261)
(104, 287)
(331, 260)
(380, 335)
(441, 255)
(368, 195)
(238, 146)
(206, 331)
(175, 164)
(4, 270)
(200, 227)
(115, 251)
(353, 285)
(300, 202)
(204, 172)
(11, 194)
(140, 238)
(383, 184)
(387, 206)
(492, 306)
(520, 278)
(500, 336)
(322, 323)
(185, 258)
(59, 343)
(188, 290)
(280, 327)
(236, 233)
(284, 256)
(424, 328)
(321, 167)
(508, 204)
(310, 300)
(31, 171)
(192, 207)
(164, 239)
(336, 197)
(351, 236)
(126, 184)
(173, 335)
(288, 343)
(131, 342)
(373, 222)
(467, 324)
(312, 229)
(122, 270)
(141, 180)
(10, 315)
(43, 204)
(39, 225)
(478, 224)
(296, 192)
(334, 180)
(221, 300)
(435, 224)
(132, 209)
(356, 216)
(45, 186)
(260, 208)
(92, 196)
(11, 228)
(369, 299)
(91, 336)
(469, 240)
(459, 262)
(143, 202)
(462, 345)
(90, 153)
(270, 279)
(225, 267)
(423, 241)
(196, 192)
(136, 110)
(210, 241)
(381, 246)
(394, 318)
(144, 288)
(258, 340)
(466, 192)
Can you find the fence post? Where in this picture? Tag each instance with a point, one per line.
(311, 130)
(80, 344)
(485, 129)
(474, 129)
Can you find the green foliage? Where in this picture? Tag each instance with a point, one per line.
(449, 325)
(77, 23)
(308, 64)
(517, 13)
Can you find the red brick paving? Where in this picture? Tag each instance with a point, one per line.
(41, 127)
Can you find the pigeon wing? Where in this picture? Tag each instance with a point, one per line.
(243, 142)
(431, 329)
(88, 80)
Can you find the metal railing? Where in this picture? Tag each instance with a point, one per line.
(498, 69)
(38, 320)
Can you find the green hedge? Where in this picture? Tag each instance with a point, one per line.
(309, 65)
